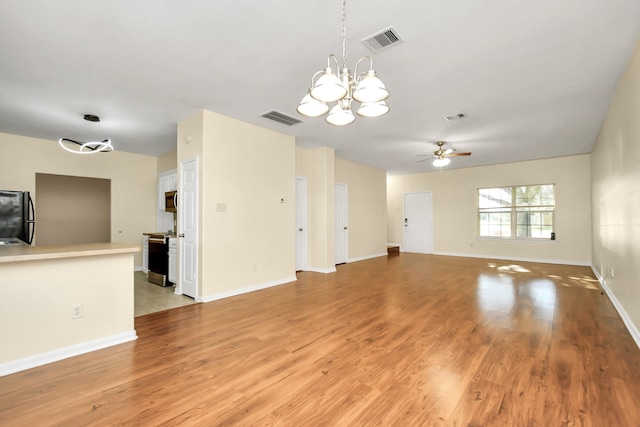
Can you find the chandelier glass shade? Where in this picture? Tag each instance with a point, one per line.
(342, 87)
(340, 116)
(372, 109)
(311, 107)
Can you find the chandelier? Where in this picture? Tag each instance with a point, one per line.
(344, 88)
(81, 147)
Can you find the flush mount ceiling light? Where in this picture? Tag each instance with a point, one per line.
(90, 147)
(328, 86)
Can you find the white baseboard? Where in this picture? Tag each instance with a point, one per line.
(322, 270)
(508, 258)
(396, 244)
(138, 268)
(65, 352)
(635, 334)
(246, 290)
(362, 258)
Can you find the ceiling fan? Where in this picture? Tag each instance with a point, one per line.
(441, 156)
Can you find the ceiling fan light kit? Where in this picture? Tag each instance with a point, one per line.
(441, 156)
(441, 161)
(328, 86)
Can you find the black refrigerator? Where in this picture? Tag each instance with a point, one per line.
(17, 215)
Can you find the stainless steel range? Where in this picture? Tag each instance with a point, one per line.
(159, 259)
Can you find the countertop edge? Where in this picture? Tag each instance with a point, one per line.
(34, 253)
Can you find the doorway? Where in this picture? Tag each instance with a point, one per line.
(342, 229)
(188, 229)
(418, 222)
(301, 223)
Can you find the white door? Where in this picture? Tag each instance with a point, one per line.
(188, 229)
(418, 223)
(342, 236)
(301, 223)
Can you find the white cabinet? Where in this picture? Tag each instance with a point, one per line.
(145, 254)
(167, 181)
(173, 259)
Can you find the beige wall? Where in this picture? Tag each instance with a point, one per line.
(455, 208)
(168, 161)
(615, 164)
(318, 166)
(73, 210)
(367, 208)
(249, 169)
(49, 289)
(133, 180)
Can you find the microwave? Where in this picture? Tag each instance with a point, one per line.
(170, 201)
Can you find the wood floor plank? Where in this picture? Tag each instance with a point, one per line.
(392, 341)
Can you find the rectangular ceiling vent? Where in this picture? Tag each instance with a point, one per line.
(454, 117)
(279, 117)
(382, 40)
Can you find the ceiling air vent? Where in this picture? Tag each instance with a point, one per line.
(279, 117)
(382, 40)
(454, 117)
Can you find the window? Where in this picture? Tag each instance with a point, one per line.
(523, 212)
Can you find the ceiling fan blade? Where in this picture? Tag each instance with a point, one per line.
(458, 154)
(448, 151)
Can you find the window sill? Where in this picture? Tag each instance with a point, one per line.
(515, 239)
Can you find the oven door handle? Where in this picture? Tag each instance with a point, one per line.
(154, 240)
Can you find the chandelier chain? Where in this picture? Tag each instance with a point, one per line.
(342, 88)
(344, 33)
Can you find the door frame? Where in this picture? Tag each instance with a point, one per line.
(302, 216)
(180, 227)
(346, 229)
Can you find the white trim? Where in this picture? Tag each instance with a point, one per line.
(139, 268)
(322, 270)
(246, 290)
(635, 334)
(362, 258)
(65, 352)
(510, 258)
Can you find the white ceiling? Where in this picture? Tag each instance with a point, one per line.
(534, 78)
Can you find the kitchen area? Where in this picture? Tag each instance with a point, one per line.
(155, 286)
(58, 300)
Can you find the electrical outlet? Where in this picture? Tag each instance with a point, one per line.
(611, 272)
(76, 312)
(254, 268)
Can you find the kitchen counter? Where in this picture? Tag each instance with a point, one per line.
(61, 301)
(23, 252)
(160, 233)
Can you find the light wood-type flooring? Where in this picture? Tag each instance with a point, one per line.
(410, 340)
